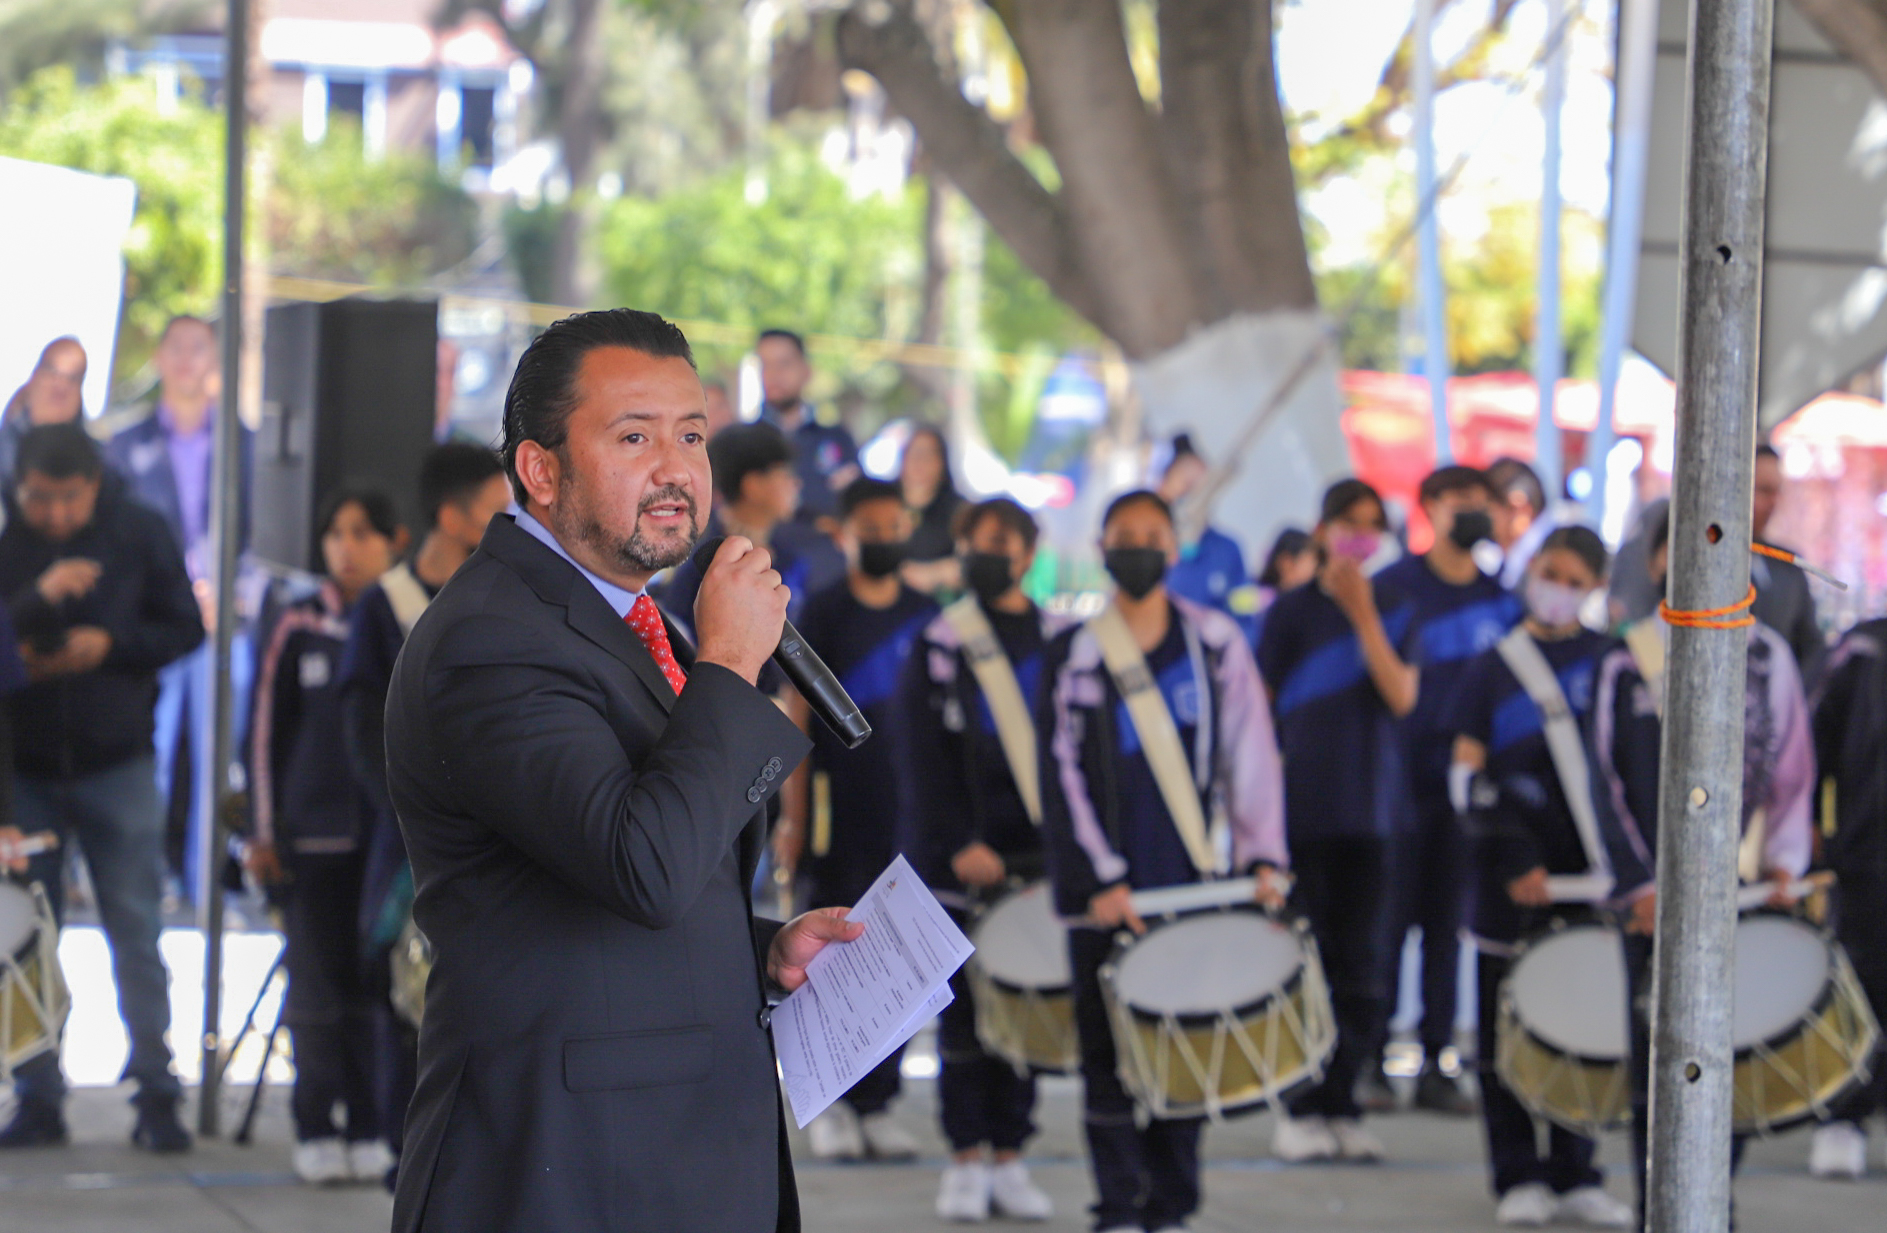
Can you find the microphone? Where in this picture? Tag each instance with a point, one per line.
(808, 673)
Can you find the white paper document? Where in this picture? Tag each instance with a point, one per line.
(864, 998)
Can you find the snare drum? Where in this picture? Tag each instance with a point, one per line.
(33, 997)
(1218, 1012)
(1022, 984)
(1563, 1040)
(1802, 1027)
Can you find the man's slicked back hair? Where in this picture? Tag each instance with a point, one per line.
(543, 389)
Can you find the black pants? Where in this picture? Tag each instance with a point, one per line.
(1861, 926)
(980, 1098)
(1513, 1137)
(1147, 1175)
(328, 1009)
(880, 1086)
(1432, 896)
(1343, 888)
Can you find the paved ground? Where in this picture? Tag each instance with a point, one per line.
(1433, 1182)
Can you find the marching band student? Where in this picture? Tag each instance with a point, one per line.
(1778, 798)
(971, 815)
(1524, 825)
(1338, 657)
(1851, 748)
(1156, 723)
(1459, 613)
(864, 627)
(310, 815)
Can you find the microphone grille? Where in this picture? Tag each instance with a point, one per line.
(705, 550)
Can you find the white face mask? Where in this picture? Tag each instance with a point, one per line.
(1553, 604)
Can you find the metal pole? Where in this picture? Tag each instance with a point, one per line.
(225, 532)
(1548, 347)
(1701, 786)
(1433, 294)
(1631, 129)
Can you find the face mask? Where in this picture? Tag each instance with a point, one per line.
(880, 560)
(1136, 570)
(1471, 526)
(987, 575)
(1358, 546)
(1552, 604)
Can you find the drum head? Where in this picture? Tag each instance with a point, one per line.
(1568, 989)
(1782, 967)
(1210, 962)
(1021, 942)
(17, 918)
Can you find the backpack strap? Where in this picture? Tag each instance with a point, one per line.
(408, 597)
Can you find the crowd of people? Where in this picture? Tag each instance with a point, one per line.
(1381, 741)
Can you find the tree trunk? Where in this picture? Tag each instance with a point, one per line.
(1127, 220)
(969, 148)
(579, 132)
(1857, 28)
(1228, 154)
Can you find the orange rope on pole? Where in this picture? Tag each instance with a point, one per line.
(1711, 618)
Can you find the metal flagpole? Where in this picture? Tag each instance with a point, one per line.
(1701, 785)
(1433, 294)
(225, 535)
(1637, 64)
(1548, 357)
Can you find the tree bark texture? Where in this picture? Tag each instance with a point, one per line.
(579, 133)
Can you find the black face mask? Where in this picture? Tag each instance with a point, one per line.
(986, 574)
(1136, 570)
(881, 560)
(1471, 526)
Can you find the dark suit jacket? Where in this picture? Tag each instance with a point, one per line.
(594, 1054)
(1785, 604)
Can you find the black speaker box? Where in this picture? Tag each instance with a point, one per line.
(347, 401)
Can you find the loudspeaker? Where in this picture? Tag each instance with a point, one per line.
(347, 401)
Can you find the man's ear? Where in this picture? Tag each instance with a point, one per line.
(539, 470)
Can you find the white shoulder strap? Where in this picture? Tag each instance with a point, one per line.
(1159, 738)
(1568, 751)
(408, 597)
(996, 677)
(1645, 640)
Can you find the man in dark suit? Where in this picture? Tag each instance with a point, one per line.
(583, 801)
(1783, 600)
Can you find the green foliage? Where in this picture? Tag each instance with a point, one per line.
(35, 33)
(335, 213)
(332, 213)
(173, 256)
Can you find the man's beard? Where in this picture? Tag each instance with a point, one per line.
(638, 554)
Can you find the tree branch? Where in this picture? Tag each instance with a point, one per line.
(1857, 28)
(969, 148)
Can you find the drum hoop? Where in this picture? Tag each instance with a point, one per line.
(1015, 990)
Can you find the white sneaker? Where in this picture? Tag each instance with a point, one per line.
(1527, 1206)
(835, 1134)
(1839, 1151)
(322, 1162)
(1299, 1140)
(1013, 1193)
(885, 1139)
(1592, 1207)
(964, 1194)
(1353, 1142)
(369, 1160)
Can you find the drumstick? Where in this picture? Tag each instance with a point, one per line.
(29, 845)
(1172, 900)
(1756, 896)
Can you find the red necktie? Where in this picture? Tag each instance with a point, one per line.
(647, 622)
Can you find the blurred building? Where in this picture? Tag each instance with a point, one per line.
(407, 83)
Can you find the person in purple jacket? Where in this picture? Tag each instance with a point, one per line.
(1109, 831)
